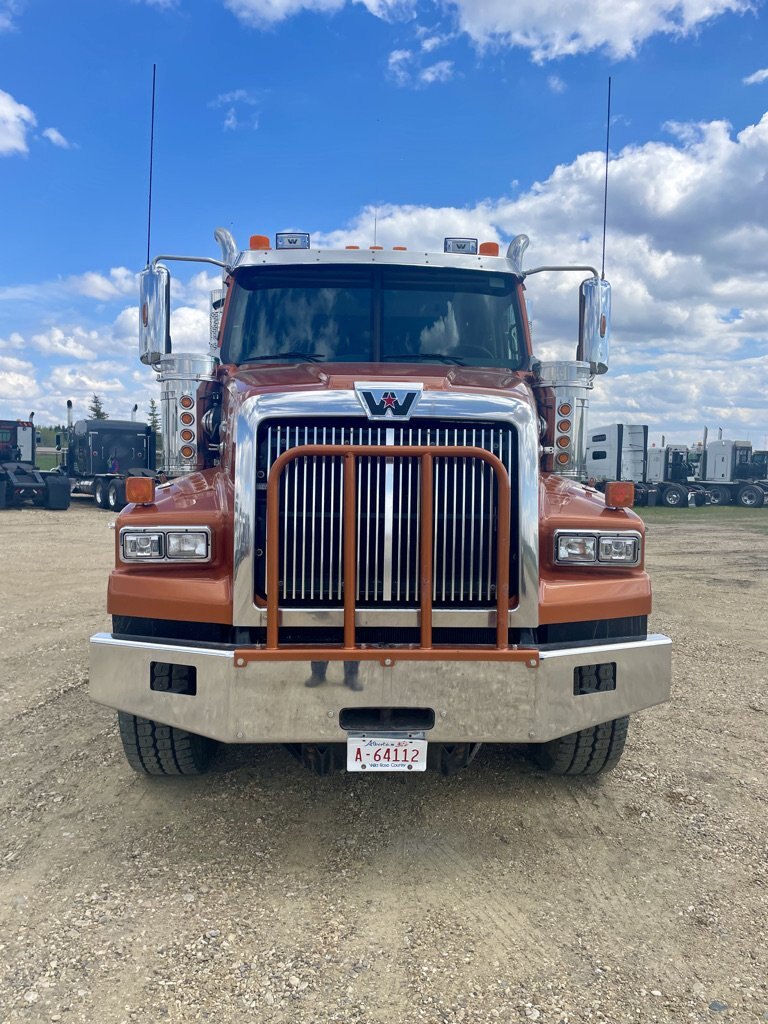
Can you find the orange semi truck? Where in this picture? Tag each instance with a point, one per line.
(375, 545)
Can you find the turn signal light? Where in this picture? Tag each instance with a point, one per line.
(620, 494)
(140, 490)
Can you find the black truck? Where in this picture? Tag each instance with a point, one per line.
(21, 482)
(98, 456)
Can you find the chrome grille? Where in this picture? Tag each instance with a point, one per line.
(387, 503)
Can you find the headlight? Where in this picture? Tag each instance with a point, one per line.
(141, 545)
(175, 544)
(619, 549)
(191, 545)
(577, 547)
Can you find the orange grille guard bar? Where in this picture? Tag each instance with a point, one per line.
(350, 650)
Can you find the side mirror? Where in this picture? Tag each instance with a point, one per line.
(594, 324)
(58, 442)
(154, 314)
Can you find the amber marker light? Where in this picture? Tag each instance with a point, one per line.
(489, 249)
(186, 401)
(187, 419)
(259, 242)
(563, 442)
(620, 494)
(140, 490)
(564, 426)
(563, 458)
(565, 409)
(187, 451)
(187, 435)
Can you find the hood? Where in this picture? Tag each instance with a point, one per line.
(245, 382)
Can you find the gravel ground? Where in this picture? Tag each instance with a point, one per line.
(263, 893)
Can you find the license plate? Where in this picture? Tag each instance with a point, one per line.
(390, 752)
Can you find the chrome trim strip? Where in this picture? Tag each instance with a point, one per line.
(389, 516)
(414, 258)
(326, 405)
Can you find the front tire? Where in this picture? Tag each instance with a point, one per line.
(674, 496)
(100, 493)
(719, 495)
(155, 749)
(586, 752)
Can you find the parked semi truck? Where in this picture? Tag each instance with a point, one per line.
(21, 482)
(663, 475)
(99, 455)
(376, 547)
(731, 472)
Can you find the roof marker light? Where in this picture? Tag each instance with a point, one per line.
(375, 246)
(489, 248)
(399, 248)
(351, 246)
(259, 242)
(464, 246)
(292, 240)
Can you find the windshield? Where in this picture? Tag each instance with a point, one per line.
(374, 314)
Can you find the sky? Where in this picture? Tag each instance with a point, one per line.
(413, 119)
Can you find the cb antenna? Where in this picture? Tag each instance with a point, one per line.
(151, 161)
(605, 190)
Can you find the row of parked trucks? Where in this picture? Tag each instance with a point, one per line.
(94, 458)
(720, 472)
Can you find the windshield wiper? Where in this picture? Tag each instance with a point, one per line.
(423, 357)
(303, 356)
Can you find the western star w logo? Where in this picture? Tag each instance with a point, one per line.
(385, 401)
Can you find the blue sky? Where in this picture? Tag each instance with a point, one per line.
(479, 117)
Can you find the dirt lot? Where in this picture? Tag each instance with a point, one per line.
(264, 893)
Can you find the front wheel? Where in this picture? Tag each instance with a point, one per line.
(100, 493)
(674, 496)
(586, 752)
(719, 495)
(155, 749)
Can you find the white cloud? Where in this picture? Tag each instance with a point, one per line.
(442, 71)
(757, 78)
(547, 28)
(550, 30)
(121, 281)
(556, 84)
(16, 121)
(230, 120)
(8, 10)
(224, 99)
(54, 136)
(77, 344)
(269, 12)
(398, 65)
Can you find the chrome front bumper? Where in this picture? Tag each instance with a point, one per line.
(473, 701)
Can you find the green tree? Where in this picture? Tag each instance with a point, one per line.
(96, 408)
(153, 419)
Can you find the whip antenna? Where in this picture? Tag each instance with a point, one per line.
(151, 161)
(605, 191)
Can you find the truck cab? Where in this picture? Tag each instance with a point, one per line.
(375, 544)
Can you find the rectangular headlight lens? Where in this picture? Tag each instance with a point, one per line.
(618, 549)
(576, 548)
(190, 545)
(139, 547)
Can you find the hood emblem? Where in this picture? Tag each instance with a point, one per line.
(388, 401)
